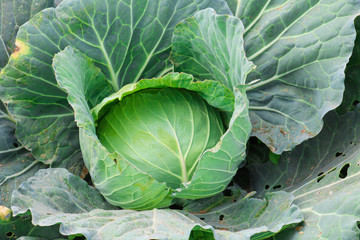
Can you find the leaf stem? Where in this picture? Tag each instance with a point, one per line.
(257, 18)
(165, 71)
(6, 50)
(21, 172)
(12, 150)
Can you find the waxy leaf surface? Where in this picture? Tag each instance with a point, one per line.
(86, 212)
(82, 210)
(211, 46)
(16, 163)
(323, 173)
(300, 49)
(14, 13)
(244, 216)
(128, 40)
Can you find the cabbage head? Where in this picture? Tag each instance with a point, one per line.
(162, 132)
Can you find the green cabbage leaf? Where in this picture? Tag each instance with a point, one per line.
(323, 174)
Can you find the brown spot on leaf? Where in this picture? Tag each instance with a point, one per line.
(299, 228)
(84, 172)
(20, 49)
(283, 132)
(226, 229)
(288, 181)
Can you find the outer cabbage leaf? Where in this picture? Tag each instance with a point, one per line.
(15, 13)
(244, 216)
(352, 76)
(300, 49)
(211, 46)
(127, 40)
(213, 92)
(84, 211)
(323, 174)
(16, 163)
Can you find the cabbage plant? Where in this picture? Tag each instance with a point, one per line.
(179, 119)
(159, 139)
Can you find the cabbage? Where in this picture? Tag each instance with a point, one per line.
(162, 132)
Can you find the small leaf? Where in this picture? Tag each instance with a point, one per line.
(274, 158)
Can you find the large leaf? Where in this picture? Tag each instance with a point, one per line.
(13, 14)
(16, 163)
(244, 216)
(127, 40)
(352, 74)
(84, 211)
(211, 46)
(324, 175)
(300, 49)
